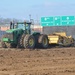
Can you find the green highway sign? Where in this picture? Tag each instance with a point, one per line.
(47, 19)
(67, 18)
(58, 21)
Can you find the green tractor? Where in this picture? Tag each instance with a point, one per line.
(20, 35)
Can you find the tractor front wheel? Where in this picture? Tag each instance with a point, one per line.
(3, 44)
(10, 45)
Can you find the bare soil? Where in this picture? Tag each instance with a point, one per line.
(52, 61)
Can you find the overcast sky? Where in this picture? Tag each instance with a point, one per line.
(21, 9)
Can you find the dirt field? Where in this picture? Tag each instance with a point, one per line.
(54, 61)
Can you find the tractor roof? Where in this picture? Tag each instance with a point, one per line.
(23, 22)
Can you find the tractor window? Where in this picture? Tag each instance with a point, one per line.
(21, 26)
(27, 29)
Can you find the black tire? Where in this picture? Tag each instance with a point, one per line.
(14, 45)
(36, 40)
(3, 43)
(27, 40)
(43, 41)
(9, 45)
(20, 41)
(73, 43)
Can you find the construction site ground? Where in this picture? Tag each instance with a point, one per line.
(51, 61)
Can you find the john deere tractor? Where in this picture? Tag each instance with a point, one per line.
(21, 35)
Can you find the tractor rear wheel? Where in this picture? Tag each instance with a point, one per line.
(36, 40)
(29, 41)
(43, 41)
(20, 41)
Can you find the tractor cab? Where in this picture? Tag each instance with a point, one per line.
(25, 26)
